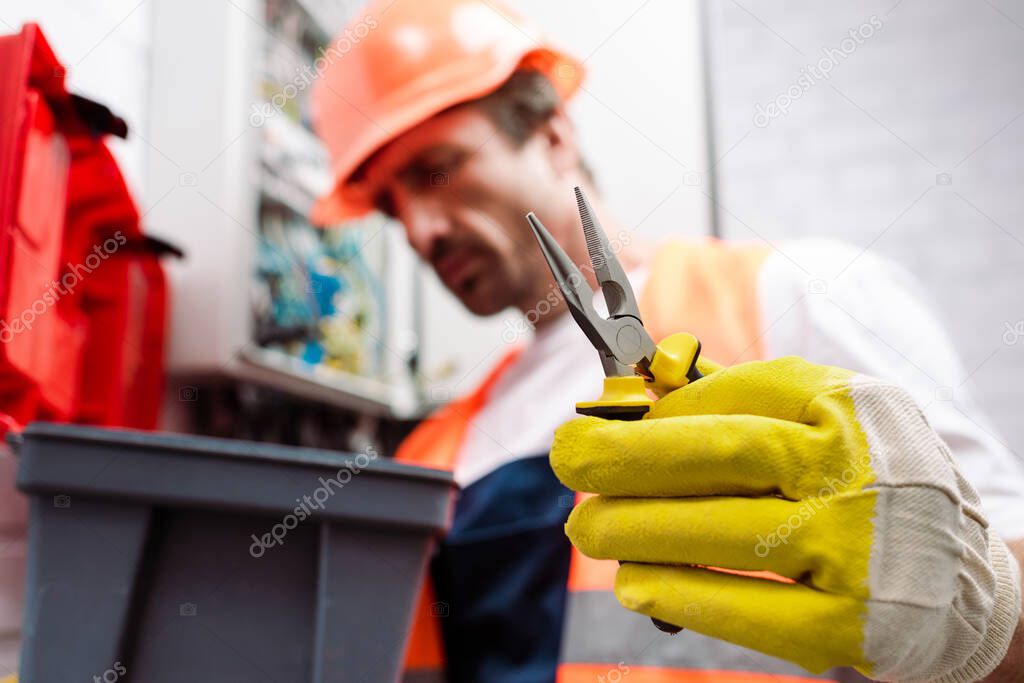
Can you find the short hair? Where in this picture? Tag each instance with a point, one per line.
(520, 105)
(517, 108)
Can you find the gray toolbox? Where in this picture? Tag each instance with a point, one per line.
(155, 557)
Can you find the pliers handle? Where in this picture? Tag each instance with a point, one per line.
(626, 398)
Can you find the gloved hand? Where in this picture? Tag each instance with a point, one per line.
(832, 481)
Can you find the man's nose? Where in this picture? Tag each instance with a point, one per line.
(425, 221)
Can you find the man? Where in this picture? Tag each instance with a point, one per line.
(807, 518)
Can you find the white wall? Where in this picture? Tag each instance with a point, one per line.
(640, 111)
(936, 90)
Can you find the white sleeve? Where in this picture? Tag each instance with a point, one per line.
(838, 305)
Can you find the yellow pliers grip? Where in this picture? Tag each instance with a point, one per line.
(627, 398)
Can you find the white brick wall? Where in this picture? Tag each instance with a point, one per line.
(936, 90)
(640, 111)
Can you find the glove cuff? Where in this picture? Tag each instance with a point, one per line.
(1001, 624)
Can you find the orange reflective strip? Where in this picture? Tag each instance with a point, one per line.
(588, 574)
(612, 673)
(770, 576)
(436, 441)
(424, 650)
(707, 288)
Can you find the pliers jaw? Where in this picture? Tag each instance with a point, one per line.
(623, 344)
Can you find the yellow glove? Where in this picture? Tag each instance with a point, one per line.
(832, 480)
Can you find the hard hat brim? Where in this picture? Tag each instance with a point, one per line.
(347, 201)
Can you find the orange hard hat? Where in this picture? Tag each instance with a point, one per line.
(399, 62)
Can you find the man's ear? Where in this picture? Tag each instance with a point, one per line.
(560, 136)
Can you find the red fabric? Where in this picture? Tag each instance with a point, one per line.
(82, 301)
(122, 374)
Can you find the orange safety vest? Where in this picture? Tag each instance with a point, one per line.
(707, 288)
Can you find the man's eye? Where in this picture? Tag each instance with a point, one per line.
(384, 203)
(432, 172)
(436, 173)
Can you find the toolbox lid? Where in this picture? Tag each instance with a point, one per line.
(191, 471)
